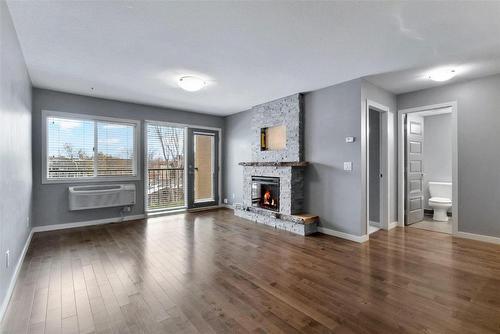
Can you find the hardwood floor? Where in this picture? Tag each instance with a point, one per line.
(212, 272)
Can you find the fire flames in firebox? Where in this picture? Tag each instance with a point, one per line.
(267, 198)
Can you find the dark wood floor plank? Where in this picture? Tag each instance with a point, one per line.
(211, 272)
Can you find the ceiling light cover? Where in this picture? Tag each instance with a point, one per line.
(191, 83)
(442, 74)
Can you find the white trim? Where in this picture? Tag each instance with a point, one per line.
(393, 225)
(401, 155)
(136, 154)
(347, 236)
(372, 229)
(13, 280)
(183, 125)
(227, 206)
(478, 237)
(55, 227)
(386, 161)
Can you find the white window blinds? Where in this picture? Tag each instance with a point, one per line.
(70, 151)
(115, 149)
(85, 148)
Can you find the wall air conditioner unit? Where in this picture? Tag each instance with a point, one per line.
(101, 196)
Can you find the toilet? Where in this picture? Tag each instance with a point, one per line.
(440, 199)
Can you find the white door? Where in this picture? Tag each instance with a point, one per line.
(414, 169)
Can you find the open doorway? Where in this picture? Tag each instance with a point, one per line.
(428, 195)
(374, 170)
(378, 161)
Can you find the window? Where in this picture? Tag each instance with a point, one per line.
(79, 149)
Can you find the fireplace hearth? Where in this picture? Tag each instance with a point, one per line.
(266, 192)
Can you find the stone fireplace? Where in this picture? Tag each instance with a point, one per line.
(273, 182)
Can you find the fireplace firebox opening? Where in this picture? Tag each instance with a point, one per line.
(266, 192)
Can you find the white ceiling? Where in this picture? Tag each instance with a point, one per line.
(418, 78)
(250, 52)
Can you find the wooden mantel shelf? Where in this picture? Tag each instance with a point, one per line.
(275, 164)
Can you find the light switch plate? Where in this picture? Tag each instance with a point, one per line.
(350, 139)
(348, 165)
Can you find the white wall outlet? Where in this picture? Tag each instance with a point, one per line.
(225, 200)
(28, 221)
(7, 258)
(348, 165)
(350, 139)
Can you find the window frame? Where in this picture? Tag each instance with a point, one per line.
(45, 141)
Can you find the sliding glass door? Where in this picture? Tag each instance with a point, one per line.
(165, 177)
(169, 184)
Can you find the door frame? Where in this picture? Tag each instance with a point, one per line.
(145, 161)
(454, 158)
(386, 161)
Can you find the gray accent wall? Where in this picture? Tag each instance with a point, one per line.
(51, 200)
(236, 148)
(331, 114)
(437, 151)
(478, 110)
(15, 152)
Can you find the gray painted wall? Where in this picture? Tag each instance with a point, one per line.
(478, 138)
(331, 114)
(374, 165)
(51, 200)
(437, 151)
(15, 151)
(236, 148)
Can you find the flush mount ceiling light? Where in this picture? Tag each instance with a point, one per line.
(191, 83)
(442, 74)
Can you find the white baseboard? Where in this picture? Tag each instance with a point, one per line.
(393, 225)
(347, 236)
(227, 206)
(54, 227)
(479, 237)
(13, 280)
